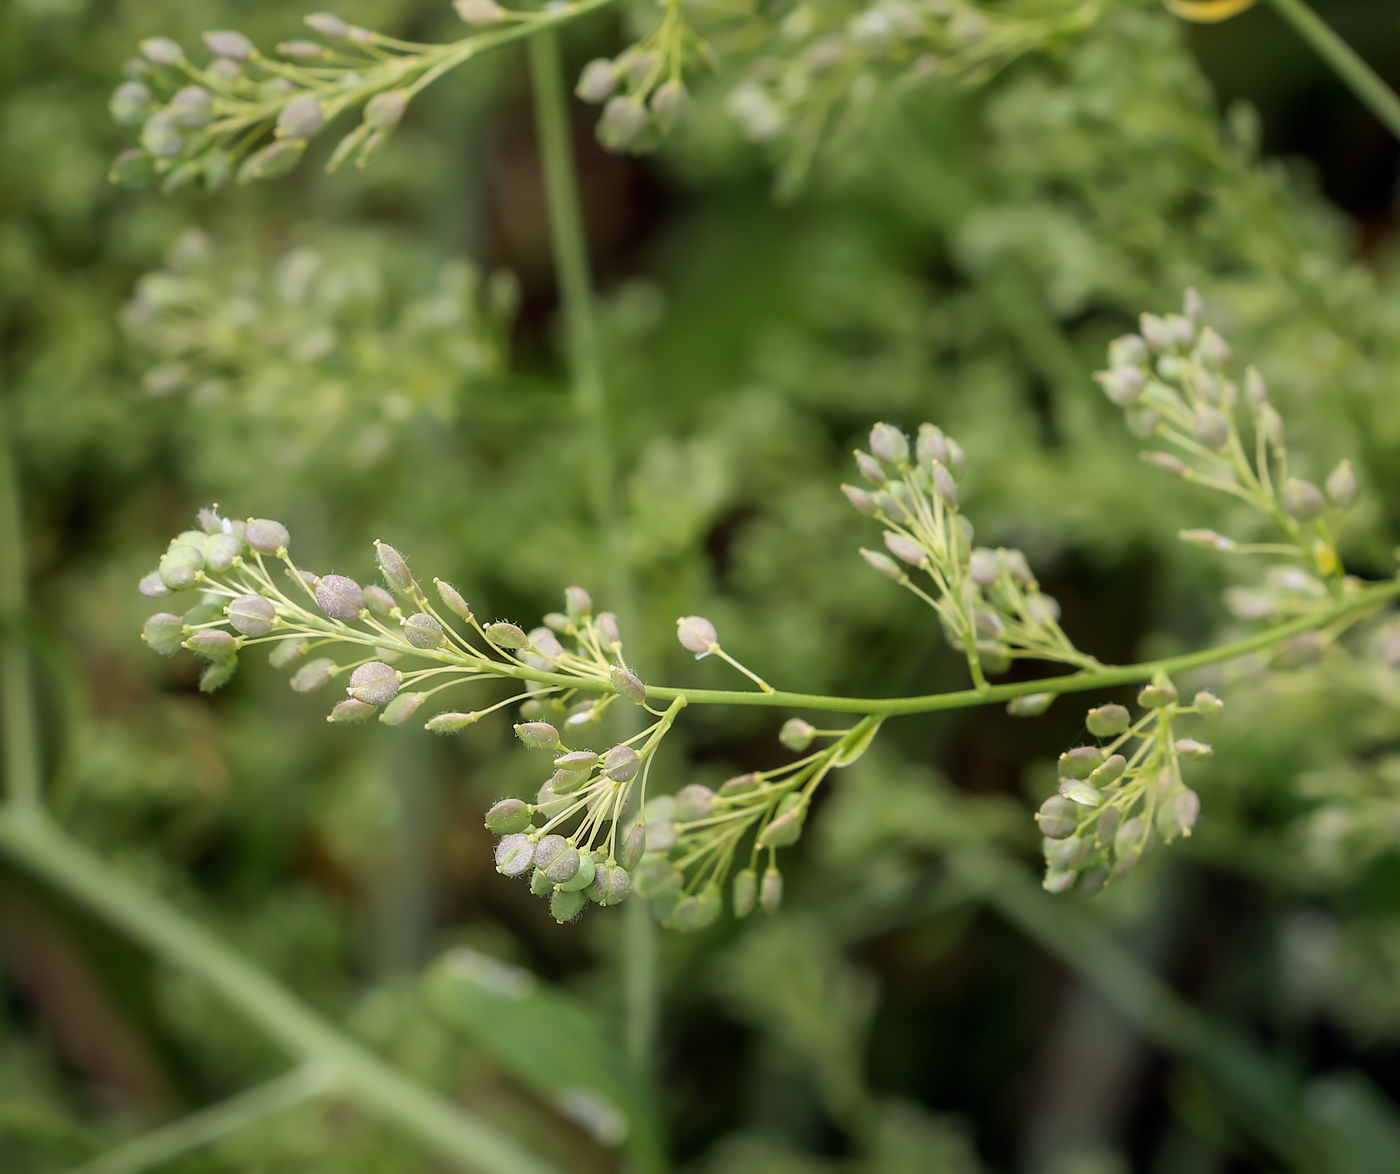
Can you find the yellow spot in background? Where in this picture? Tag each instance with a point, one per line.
(1208, 11)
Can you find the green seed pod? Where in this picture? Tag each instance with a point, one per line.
(693, 914)
(1058, 880)
(401, 708)
(623, 123)
(578, 603)
(606, 623)
(508, 817)
(213, 643)
(1110, 772)
(1341, 486)
(272, 161)
(1081, 791)
(1208, 705)
(392, 566)
(1190, 748)
(515, 855)
(328, 25)
(1058, 817)
(1093, 882)
(598, 81)
(313, 674)
(770, 890)
(739, 785)
(1128, 350)
(889, 445)
(656, 876)
(870, 469)
(633, 846)
(883, 563)
(191, 107)
(131, 104)
(303, 50)
(611, 884)
(375, 683)
(132, 169)
(538, 735)
(905, 549)
(266, 536)
(164, 633)
(627, 684)
(861, 500)
(422, 631)
(1107, 827)
(1157, 332)
(1165, 460)
(566, 782)
(215, 675)
(1157, 695)
(504, 635)
(583, 878)
(785, 829)
(300, 119)
(1188, 809)
(379, 601)
(1213, 350)
(220, 550)
(621, 763)
(540, 884)
(931, 447)
(180, 567)
(383, 111)
(745, 892)
(1208, 540)
(227, 43)
(548, 801)
(558, 858)
(797, 734)
(1302, 499)
(669, 104)
(693, 802)
(566, 905)
(161, 51)
(350, 711)
(1031, 705)
(453, 600)
(1211, 427)
(1131, 838)
(450, 723)
(1068, 853)
(251, 614)
(945, 486)
(1107, 721)
(1080, 762)
(339, 597)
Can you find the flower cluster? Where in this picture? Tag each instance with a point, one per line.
(252, 116)
(988, 601)
(1118, 797)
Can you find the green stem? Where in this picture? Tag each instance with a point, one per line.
(30, 840)
(590, 393)
(209, 1125)
(19, 723)
(1365, 83)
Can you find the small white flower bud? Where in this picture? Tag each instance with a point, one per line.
(180, 567)
(608, 630)
(219, 551)
(161, 136)
(304, 50)
(191, 107)
(152, 586)
(1183, 330)
(696, 634)
(130, 104)
(1341, 486)
(786, 828)
(889, 445)
(1190, 748)
(870, 469)
(1161, 692)
(598, 81)
(983, 566)
(931, 446)
(669, 104)
(945, 485)
(861, 500)
(1213, 350)
(216, 674)
(1128, 351)
(623, 123)
(300, 119)
(401, 708)
(1110, 772)
(1157, 332)
(1208, 705)
(1122, 385)
(1271, 424)
(577, 602)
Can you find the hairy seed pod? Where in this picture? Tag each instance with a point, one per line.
(565, 905)
(1107, 721)
(1131, 839)
(627, 684)
(693, 802)
(251, 614)
(669, 104)
(304, 50)
(272, 161)
(797, 734)
(401, 708)
(745, 892)
(350, 711)
(152, 586)
(549, 802)
(164, 633)
(883, 563)
(1031, 705)
(422, 631)
(583, 878)
(161, 51)
(220, 550)
(598, 81)
(540, 884)
(1208, 705)
(889, 445)
(313, 674)
(633, 846)
(506, 635)
(538, 735)
(1080, 762)
(1302, 499)
(558, 858)
(1161, 692)
(611, 884)
(379, 601)
(266, 536)
(1271, 425)
(1058, 880)
(213, 643)
(931, 446)
(216, 674)
(515, 855)
(621, 763)
(770, 890)
(375, 683)
(300, 119)
(1058, 817)
(870, 469)
(696, 634)
(452, 599)
(392, 566)
(450, 723)
(1128, 350)
(508, 817)
(180, 567)
(340, 597)
(230, 44)
(606, 624)
(576, 760)
(1110, 772)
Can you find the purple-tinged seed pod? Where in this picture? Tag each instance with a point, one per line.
(216, 674)
(164, 633)
(1130, 843)
(1188, 809)
(889, 445)
(988, 625)
(1158, 694)
(130, 104)
(350, 710)
(1191, 305)
(1165, 460)
(1058, 817)
(506, 635)
(161, 51)
(797, 734)
(393, 566)
(1157, 332)
(213, 643)
(611, 884)
(1207, 540)
(383, 111)
(227, 43)
(1208, 705)
(422, 631)
(861, 500)
(340, 597)
(1190, 748)
(905, 548)
(693, 802)
(1080, 762)
(557, 621)
(152, 586)
(566, 905)
(583, 878)
(621, 763)
(251, 614)
(669, 104)
(745, 892)
(627, 684)
(945, 485)
(633, 847)
(379, 601)
(515, 855)
(1107, 827)
(1107, 721)
(607, 627)
(1271, 424)
(546, 644)
(375, 683)
(1211, 427)
(1058, 880)
(453, 600)
(313, 674)
(479, 11)
(870, 469)
(1031, 705)
(883, 563)
(576, 760)
(1128, 350)
(450, 723)
(697, 635)
(306, 578)
(623, 122)
(508, 817)
(1122, 385)
(1183, 330)
(300, 119)
(328, 25)
(401, 708)
(180, 567)
(786, 828)
(1301, 499)
(220, 550)
(983, 567)
(556, 858)
(1341, 486)
(288, 650)
(1214, 350)
(304, 50)
(738, 785)
(266, 536)
(770, 890)
(191, 107)
(538, 735)
(931, 446)
(577, 602)
(598, 81)
(1255, 389)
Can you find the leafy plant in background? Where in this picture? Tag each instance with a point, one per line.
(1174, 379)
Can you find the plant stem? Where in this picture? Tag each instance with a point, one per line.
(1364, 82)
(209, 1125)
(30, 840)
(19, 723)
(566, 223)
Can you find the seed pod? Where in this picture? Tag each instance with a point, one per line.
(300, 119)
(1128, 350)
(220, 550)
(693, 802)
(576, 761)
(1068, 853)
(598, 81)
(1081, 791)
(583, 878)
(889, 445)
(739, 785)
(538, 735)
(1302, 499)
(508, 816)
(1157, 332)
(515, 855)
(1080, 762)
(1110, 772)
(375, 683)
(983, 567)
(578, 603)
(870, 469)
(607, 629)
(1341, 486)
(611, 884)
(906, 548)
(1190, 748)
(546, 644)
(1158, 694)
(164, 633)
(623, 123)
(266, 536)
(540, 884)
(1058, 817)
(328, 25)
(161, 51)
(627, 684)
(1188, 809)
(931, 446)
(883, 563)
(401, 708)
(1107, 827)
(786, 829)
(1208, 705)
(861, 500)
(479, 11)
(272, 161)
(1213, 350)
(1211, 427)
(1271, 424)
(216, 675)
(504, 635)
(770, 890)
(132, 169)
(1093, 882)
(656, 876)
(313, 674)
(633, 846)
(180, 567)
(213, 643)
(304, 50)
(946, 487)
(697, 912)
(130, 104)
(152, 586)
(1031, 705)
(1058, 880)
(383, 111)
(450, 723)
(1208, 540)
(251, 614)
(669, 104)
(1122, 385)
(745, 892)
(227, 43)
(621, 763)
(1131, 839)
(1107, 721)
(350, 711)
(797, 734)
(191, 107)
(564, 905)
(422, 631)
(696, 634)
(558, 858)
(340, 597)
